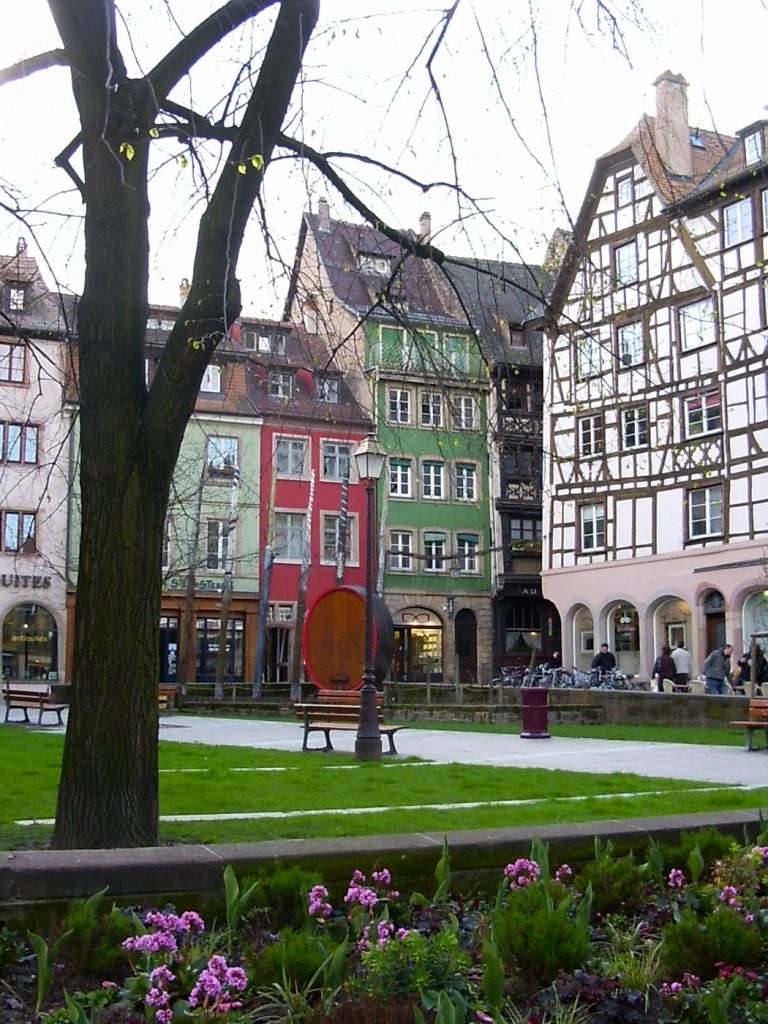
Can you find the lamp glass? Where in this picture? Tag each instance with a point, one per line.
(369, 458)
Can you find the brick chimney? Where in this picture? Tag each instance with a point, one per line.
(425, 228)
(323, 215)
(672, 132)
(183, 291)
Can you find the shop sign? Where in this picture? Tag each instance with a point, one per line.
(181, 584)
(11, 580)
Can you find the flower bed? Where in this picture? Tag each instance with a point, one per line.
(676, 937)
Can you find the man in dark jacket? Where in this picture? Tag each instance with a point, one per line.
(604, 661)
(717, 669)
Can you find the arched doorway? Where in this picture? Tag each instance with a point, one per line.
(465, 633)
(625, 638)
(714, 616)
(30, 643)
(418, 646)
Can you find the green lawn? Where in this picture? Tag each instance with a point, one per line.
(298, 796)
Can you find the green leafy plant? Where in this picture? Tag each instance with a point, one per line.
(696, 944)
(97, 934)
(616, 882)
(631, 957)
(297, 955)
(238, 902)
(415, 964)
(46, 958)
(283, 890)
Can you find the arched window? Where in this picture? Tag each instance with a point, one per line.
(30, 643)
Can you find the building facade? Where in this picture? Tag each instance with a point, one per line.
(656, 426)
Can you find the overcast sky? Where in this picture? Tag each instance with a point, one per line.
(529, 112)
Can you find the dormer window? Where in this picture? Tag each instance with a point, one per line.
(328, 389)
(281, 384)
(264, 342)
(697, 142)
(371, 263)
(16, 297)
(753, 148)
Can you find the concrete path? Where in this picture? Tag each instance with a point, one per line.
(661, 760)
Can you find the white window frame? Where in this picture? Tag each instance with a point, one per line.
(398, 405)
(16, 298)
(400, 478)
(12, 363)
(626, 263)
(467, 554)
(456, 352)
(401, 551)
(590, 356)
(592, 527)
(634, 424)
(19, 533)
(705, 512)
(217, 547)
(591, 436)
(290, 525)
(166, 554)
(465, 481)
(433, 480)
(434, 552)
(328, 389)
(280, 384)
(464, 412)
(753, 148)
(764, 195)
(703, 414)
(738, 222)
(697, 323)
(625, 190)
(292, 451)
(19, 444)
(329, 523)
(431, 405)
(630, 339)
(336, 457)
(222, 455)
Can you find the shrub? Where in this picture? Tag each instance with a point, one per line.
(412, 963)
(537, 931)
(712, 844)
(95, 944)
(617, 883)
(296, 955)
(695, 946)
(284, 891)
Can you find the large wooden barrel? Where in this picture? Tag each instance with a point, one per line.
(334, 639)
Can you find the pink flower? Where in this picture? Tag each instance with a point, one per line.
(676, 879)
(522, 872)
(564, 874)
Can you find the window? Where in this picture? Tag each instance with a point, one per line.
(392, 342)
(737, 222)
(211, 382)
(217, 548)
(524, 532)
(432, 480)
(631, 344)
(518, 397)
(399, 406)
(290, 456)
(753, 148)
(19, 532)
(625, 191)
(434, 552)
(517, 337)
(18, 443)
(280, 384)
(337, 460)
(590, 436)
(16, 296)
(456, 353)
(634, 427)
(289, 535)
(697, 324)
(464, 412)
(222, 455)
(520, 461)
(284, 613)
(332, 539)
(371, 263)
(431, 409)
(400, 478)
(12, 363)
(467, 546)
(589, 356)
(592, 527)
(465, 481)
(625, 261)
(703, 414)
(400, 551)
(705, 511)
(328, 390)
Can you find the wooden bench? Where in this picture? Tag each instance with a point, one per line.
(339, 709)
(27, 698)
(757, 718)
(166, 696)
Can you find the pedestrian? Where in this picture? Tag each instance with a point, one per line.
(717, 669)
(664, 669)
(744, 668)
(556, 661)
(604, 661)
(683, 666)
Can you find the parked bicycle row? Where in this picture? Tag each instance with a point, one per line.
(594, 679)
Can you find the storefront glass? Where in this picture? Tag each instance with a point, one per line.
(30, 643)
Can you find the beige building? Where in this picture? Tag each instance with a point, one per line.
(656, 429)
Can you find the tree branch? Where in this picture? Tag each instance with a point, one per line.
(28, 66)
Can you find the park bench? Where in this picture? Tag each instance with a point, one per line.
(166, 696)
(28, 698)
(757, 718)
(339, 709)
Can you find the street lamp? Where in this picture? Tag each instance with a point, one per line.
(369, 458)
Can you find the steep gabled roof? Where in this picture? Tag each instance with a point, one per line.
(44, 311)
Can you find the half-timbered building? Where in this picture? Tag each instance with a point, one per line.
(656, 427)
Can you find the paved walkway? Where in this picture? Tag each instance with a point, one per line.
(661, 760)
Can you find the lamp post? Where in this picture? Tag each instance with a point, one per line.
(369, 457)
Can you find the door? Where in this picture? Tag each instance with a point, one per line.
(465, 632)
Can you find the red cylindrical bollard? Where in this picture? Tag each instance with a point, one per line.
(535, 712)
